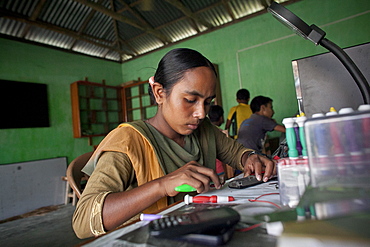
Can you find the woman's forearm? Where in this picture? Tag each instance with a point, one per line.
(121, 206)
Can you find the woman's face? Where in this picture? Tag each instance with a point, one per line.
(189, 100)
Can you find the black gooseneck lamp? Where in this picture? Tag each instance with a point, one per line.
(316, 35)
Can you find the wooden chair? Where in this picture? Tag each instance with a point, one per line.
(75, 175)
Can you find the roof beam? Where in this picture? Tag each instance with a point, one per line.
(57, 29)
(115, 26)
(124, 19)
(84, 25)
(138, 16)
(179, 5)
(134, 12)
(119, 41)
(226, 4)
(33, 17)
(87, 19)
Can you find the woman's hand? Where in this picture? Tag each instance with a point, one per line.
(256, 164)
(192, 174)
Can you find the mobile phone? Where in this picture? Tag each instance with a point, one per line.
(244, 182)
(215, 219)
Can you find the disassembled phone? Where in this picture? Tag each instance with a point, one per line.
(217, 220)
(244, 182)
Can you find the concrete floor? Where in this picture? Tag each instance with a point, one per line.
(50, 229)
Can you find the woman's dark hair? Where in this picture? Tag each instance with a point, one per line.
(175, 63)
(258, 101)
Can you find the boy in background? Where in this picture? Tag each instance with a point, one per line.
(252, 132)
(239, 113)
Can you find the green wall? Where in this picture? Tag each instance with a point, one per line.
(57, 69)
(260, 48)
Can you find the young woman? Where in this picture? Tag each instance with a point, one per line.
(137, 166)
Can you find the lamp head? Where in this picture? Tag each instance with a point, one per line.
(293, 22)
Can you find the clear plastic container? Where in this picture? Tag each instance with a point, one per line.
(338, 148)
(294, 176)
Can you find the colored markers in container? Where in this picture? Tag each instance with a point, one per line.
(338, 145)
(300, 121)
(337, 148)
(365, 130)
(295, 136)
(323, 144)
(291, 137)
(352, 130)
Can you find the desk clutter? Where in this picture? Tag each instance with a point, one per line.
(228, 222)
(326, 180)
(257, 218)
(321, 196)
(336, 144)
(329, 150)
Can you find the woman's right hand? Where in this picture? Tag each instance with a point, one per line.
(192, 174)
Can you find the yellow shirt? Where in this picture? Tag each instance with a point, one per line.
(242, 111)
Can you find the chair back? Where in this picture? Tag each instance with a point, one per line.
(74, 173)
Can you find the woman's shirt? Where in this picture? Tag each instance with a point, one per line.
(134, 154)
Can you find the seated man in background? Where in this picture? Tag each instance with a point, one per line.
(253, 130)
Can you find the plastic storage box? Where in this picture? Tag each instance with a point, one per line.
(338, 149)
(294, 177)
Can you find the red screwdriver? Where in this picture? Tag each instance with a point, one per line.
(206, 199)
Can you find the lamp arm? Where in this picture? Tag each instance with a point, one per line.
(351, 67)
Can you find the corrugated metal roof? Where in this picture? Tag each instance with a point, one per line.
(118, 30)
